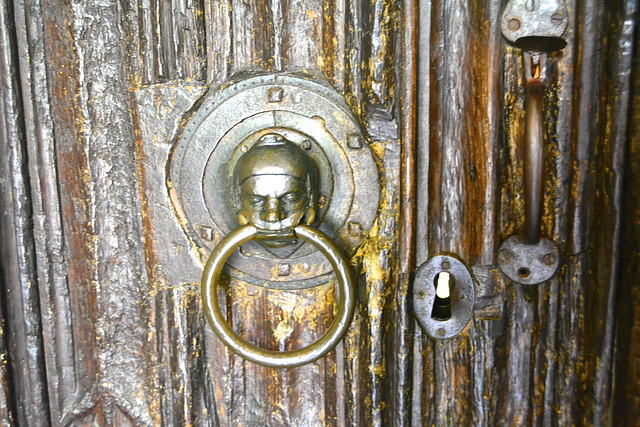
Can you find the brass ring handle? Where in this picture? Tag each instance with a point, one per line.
(276, 359)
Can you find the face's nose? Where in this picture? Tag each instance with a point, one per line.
(273, 210)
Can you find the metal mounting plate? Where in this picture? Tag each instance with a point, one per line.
(528, 264)
(227, 123)
(535, 24)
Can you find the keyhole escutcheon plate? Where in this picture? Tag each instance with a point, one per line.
(461, 296)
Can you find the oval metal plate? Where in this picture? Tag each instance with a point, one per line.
(462, 296)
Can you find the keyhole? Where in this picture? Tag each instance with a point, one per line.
(443, 283)
(532, 5)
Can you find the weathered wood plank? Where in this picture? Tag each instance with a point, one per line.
(334, 32)
(218, 40)
(300, 36)
(122, 312)
(626, 404)
(62, 197)
(89, 266)
(461, 180)
(23, 399)
(399, 363)
(252, 35)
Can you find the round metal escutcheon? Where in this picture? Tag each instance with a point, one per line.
(227, 124)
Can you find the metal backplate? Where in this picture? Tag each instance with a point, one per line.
(232, 119)
(527, 22)
(528, 264)
(462, 296)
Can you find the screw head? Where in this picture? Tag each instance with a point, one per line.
(306, 144)
(532, 5)
(557, 19)
(514, 24)
(504, 255)
(441, 331)
(549, 259)
(445, 265)
(421, 294)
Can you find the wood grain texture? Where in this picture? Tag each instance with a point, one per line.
(626, 404)
(170, 42)
(553, 345)
(23, 373)
(88, 263)
(122, 311)
(101, 305)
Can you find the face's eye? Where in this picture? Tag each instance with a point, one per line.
(255, 201)
(293, 198)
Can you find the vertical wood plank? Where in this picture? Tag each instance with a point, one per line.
(24, 396)
(218, 40)
(301, 35)
(459, 181)
(87, 294)
(334, 32)
(402, 324)
(354, 60)
(252, 33)
(122, 308)
(626, 404)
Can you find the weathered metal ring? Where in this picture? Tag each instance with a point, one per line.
(287, 359)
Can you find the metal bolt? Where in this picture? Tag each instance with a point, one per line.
(306, 144)
(284, 269)
(354, 141)
(441, 331)
(275, 94)
(549, 259)
(504, 255)
(514, 24)
(206, 233)
(355, 229)
(557, 19)
(446, 265)
(421, 294)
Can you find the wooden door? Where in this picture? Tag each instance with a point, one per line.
(102, 322)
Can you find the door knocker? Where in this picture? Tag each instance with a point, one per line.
(277, 167)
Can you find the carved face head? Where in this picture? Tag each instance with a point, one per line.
(276, 186)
